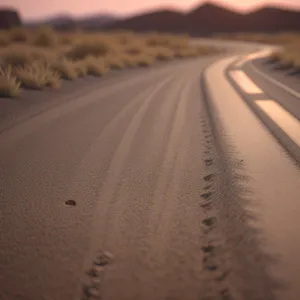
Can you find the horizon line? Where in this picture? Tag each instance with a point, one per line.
(219, 3)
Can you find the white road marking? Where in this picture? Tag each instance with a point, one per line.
(275, 177)
(287, 122)
(276, 82)
(261, 54)
(245, 82)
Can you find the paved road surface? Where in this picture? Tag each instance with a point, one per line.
(153, 185)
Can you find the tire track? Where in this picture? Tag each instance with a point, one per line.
(129, 217)
(116, 165)
(145, 230)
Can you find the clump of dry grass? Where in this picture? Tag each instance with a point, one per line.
(182, 53)
(22, 55)
(144, 60)
(195, 51)
(15, 58)
(124, 37)
(275, 56)
(162, 53)
(95, 66)
(136, 48)
(286, 61)
(168, 41)
(20, 35)
(114, 62)
(128, 60)
(81, 68)
(66, 68)
(45, 37)
(282, 38)
(68, 38)
(288, 57)
(169, 46)
(42, 57)
(207, 50)
(9, 85)
(4, 39)
(89, 48)
(37, 76)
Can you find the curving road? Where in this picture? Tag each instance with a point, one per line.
(139, 188)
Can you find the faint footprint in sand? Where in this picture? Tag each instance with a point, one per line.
(208, 177)
(208, 248)
(226, 295)
(91, 292)
(208, 162)
(206, 196)
(207, 187)
(222, 276)
(95, 271)
(103, 259)
(210, 221)
(207, 206)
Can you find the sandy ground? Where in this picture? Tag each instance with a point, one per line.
(127, 192)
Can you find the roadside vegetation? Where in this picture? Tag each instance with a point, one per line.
(41, 58)
(282, 38)
(288, 57)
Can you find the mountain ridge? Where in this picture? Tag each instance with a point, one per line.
(210, 18)
(204, 19)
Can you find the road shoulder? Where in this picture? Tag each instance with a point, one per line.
(256, 90)
(270, 179)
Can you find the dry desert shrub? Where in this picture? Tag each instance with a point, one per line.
(4, 39)
(45, 37)
(162, 53)
(89, 47)
(114, 61)
(9, 85)
(95, 66)
(66, 69)
(39, 58)
(144, 60)
(37, 76)
(19, 35)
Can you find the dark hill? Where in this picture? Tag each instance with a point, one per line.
(161, 20)
(272, 19)
(210, 18)
(205, 19)
(9, 18)
(95, 21)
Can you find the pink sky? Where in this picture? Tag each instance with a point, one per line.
(34, 9)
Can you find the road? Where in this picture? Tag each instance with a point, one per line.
(159, 184)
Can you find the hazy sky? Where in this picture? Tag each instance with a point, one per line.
(33, 9)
